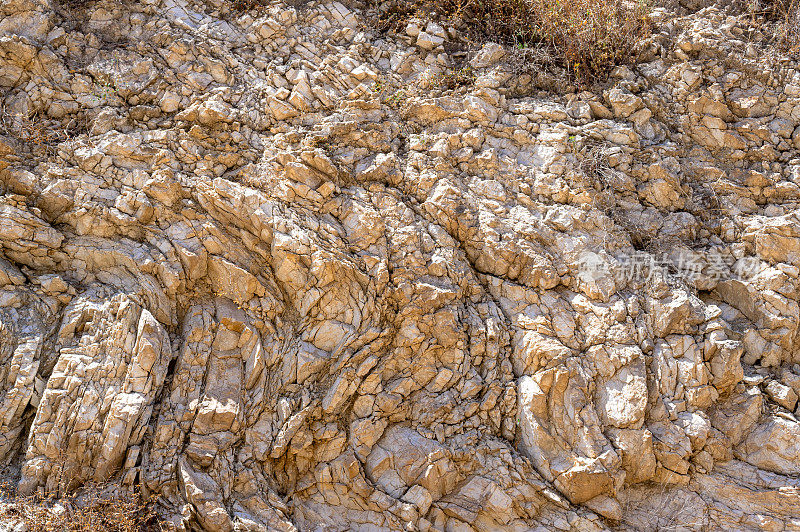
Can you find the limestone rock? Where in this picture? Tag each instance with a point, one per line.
(275, 269)
(772, 445)
(782, 394)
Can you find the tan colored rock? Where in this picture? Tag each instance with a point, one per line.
(403, 458)
(21, 338)
(489, 54)
(419, 497)
(772, 445)
(782, 394)
(581, 473)
(285, 274)
(638, 458)
(623, 398)
(96, 335)
(736, 416)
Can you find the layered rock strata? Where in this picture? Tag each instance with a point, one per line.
(260, 266)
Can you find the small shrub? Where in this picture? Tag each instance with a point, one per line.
(36, 133)
(787, 14)
(28, 129)
(779, 20)
(587, 38)
(455, 78)
(242, 6)
(89, 512)
(778, 9)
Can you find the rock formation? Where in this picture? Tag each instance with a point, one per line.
(259, 265)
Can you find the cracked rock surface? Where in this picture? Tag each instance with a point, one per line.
(255, 265)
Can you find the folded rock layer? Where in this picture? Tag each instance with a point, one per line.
(263, 267)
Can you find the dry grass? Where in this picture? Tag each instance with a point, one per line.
(781, 18)
(777, 9)
(89, 512)
(242, 6)
(787, 14)
(30, 130)
(37, 132)
(586, 38)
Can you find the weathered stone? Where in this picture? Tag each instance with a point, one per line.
(782, 394)
(284, 273)
(773, 445)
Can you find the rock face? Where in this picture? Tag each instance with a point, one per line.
(259, 266)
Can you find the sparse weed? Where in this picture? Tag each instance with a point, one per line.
(585, 38)
(787, 14)
(28, 129)
(105, 90)
(36, 132)
(397, 98)
(394, 98)
(779, 20)
(454, 78)
(242, 6)
(90, 511)
(774, 9)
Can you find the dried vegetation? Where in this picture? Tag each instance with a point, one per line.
(583, 38)
(91, 511)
